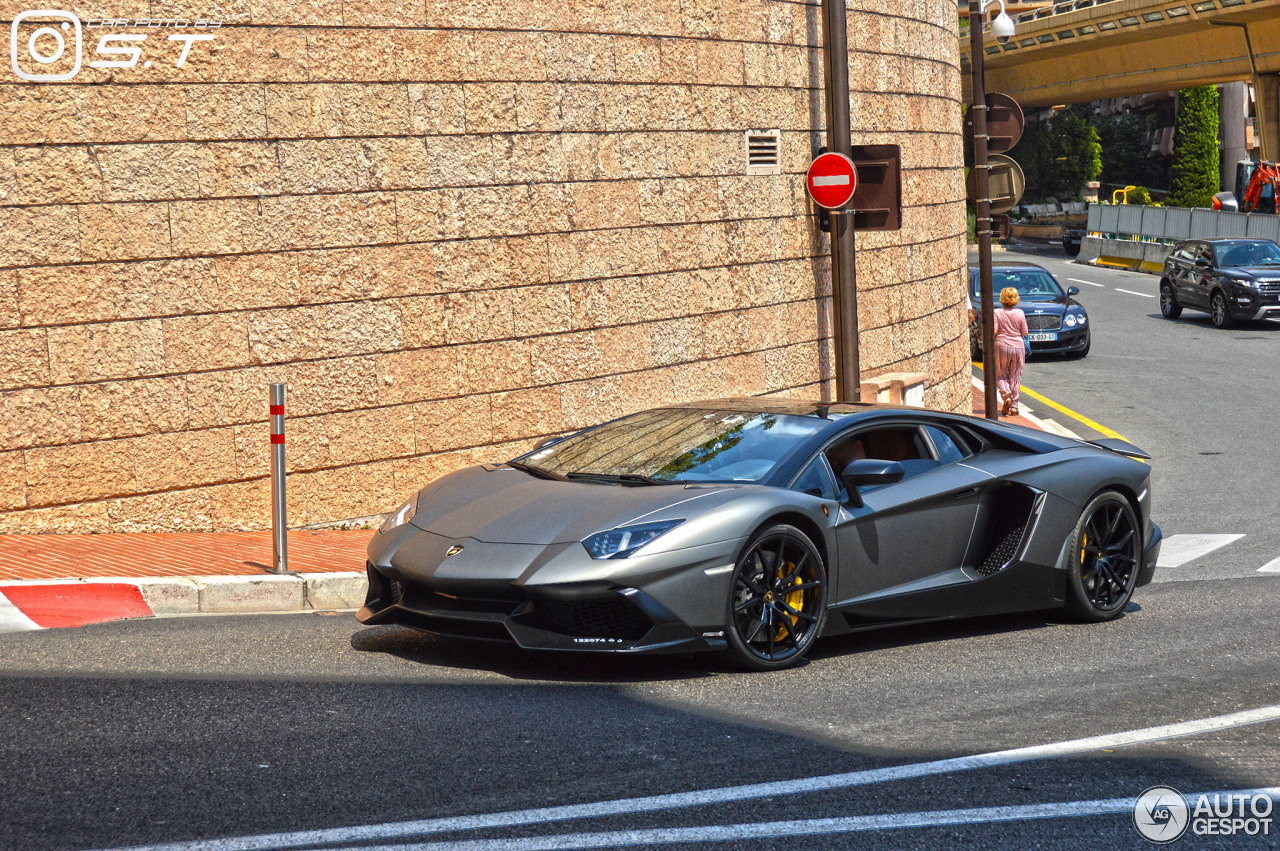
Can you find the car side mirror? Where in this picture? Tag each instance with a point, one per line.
(1073, 291)
(868, 472)
(1202, 263)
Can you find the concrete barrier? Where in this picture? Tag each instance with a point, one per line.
(1090, 249)
(1146, 257)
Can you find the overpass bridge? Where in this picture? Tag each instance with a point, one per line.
(1070, 52)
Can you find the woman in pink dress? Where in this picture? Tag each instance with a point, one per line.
(1011, 353)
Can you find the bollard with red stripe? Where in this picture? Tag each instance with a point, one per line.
(279, 542)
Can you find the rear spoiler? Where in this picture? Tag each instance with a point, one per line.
(1122, 447)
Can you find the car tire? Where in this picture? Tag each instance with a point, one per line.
(1169, 307)
(1106, 555)
(766, 629)
(1219, 312)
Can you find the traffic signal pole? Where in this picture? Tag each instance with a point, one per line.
(982, 223)
(844, 293)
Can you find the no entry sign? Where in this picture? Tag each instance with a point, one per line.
(831, 180)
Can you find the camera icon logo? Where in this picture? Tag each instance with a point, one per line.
(47, 44)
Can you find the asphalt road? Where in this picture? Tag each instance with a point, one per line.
(1203, 402)
(179, 729)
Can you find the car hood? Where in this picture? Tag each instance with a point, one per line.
(1056, 305)
(1256, 273)
(508, 506)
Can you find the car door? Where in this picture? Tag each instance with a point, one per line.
(1199, 277)
(908, 536)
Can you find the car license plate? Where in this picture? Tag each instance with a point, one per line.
(1043, 337)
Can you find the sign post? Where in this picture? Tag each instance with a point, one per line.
(279, 524)
(844, 290)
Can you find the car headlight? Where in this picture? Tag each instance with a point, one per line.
(625, 540)
(1069, 320)
(400, 516)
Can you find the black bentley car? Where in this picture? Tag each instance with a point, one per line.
(1230, 279)
(1057, 322)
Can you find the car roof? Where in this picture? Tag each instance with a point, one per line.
(1228, 240)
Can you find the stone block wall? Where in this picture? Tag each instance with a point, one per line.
(451, 229)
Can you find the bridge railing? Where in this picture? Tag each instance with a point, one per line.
(1059, 9)
(1171, 224)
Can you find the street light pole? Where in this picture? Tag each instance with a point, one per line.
(844, 292)
(982, 222)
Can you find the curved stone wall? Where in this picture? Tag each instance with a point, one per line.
(451, 228)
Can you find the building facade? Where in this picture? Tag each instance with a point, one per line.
(450, 228)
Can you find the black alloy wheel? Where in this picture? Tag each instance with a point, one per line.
(1169, 307)
(778, 600)
(1106, 554)
(1218, 311)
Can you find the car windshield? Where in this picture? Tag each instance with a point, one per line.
(1262, 253)
(1031, 284)
(677, 445)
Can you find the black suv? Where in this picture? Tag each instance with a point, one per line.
(1057, 322)
(1230, 279)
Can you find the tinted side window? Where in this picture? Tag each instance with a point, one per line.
(949, 447)
(816, 480)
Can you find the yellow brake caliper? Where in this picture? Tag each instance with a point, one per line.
(794, 599)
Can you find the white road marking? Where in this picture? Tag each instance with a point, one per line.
(1177, 550)
(1272, 566)
(1090, 283)
(705, 797)
(12, 619)
(1131, 292)
(804, 827)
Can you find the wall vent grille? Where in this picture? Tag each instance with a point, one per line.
(762, 148)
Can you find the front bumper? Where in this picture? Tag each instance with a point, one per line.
(590, 616)
(1247, 305)
(1150, 555)
(1069, 340)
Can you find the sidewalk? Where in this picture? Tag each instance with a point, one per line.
(74, 580)
(1025, 416)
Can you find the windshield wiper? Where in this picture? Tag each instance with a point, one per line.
(535, 471)
(622, 478)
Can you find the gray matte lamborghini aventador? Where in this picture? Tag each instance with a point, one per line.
(754, 526)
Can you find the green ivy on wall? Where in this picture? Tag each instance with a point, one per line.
(1195, 148)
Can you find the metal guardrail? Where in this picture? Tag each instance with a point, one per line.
(1171, 224)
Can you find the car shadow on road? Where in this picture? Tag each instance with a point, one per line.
(1205, 322)
(510, 661)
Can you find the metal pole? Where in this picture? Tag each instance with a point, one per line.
(982, 223)
(844, 291)
(279, 525)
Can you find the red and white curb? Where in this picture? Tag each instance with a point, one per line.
(78, 602)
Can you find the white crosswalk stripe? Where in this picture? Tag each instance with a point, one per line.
(1178, 550)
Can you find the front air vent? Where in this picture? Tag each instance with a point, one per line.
(762, 148)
